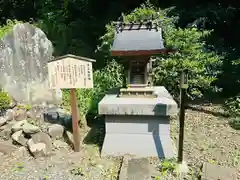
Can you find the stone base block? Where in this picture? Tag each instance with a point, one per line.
(138, 145)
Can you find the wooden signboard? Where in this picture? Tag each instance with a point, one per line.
(71, 72)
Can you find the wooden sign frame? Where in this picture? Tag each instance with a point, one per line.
(71, 72)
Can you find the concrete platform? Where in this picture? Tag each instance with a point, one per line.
(163, 104)
(138, 126)
(138, 145)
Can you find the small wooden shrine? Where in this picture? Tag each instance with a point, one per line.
(139, 126)
(137, 42)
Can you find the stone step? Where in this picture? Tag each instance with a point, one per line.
(216, 172)
(133, 168)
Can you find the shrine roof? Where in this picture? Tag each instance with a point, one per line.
(137, 39)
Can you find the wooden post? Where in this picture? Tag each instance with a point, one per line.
(183, 89)
(75, 127)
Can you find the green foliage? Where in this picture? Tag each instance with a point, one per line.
(4, 100)
(167, 166)
(232, 106)
(192, 52)
(235, 123)
(88, 99)
(7, 27)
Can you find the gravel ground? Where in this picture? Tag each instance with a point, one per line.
(63, 165)
(208, 138)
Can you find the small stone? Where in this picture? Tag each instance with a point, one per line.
(138, 169)
(19, 138)
(216, 172)
(56, 131)
(60, 144)
(2, 121)
(42, 137)
(5, 134)
(20, 114)
(9, 115)
(37, 150)
(6, 130)
(18, 126)
(30, 129)
(31, 115)
(6, 147)
(58, 115)
(70, 137)
(34, 112)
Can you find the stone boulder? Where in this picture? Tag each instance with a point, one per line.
(37, 149)
(20, 114)
(6, 130)
(58, 144)
(19, 138)
(2, 121)
(59, 116)
(70, 137)
(30, 128)
(36, 113)
(42, 137)
(18, 126)
(56, 131)
(9, 116)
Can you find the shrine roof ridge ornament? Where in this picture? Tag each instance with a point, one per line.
(143, 25)
(73, 57)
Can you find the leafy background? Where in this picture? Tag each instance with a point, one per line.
(205, 33)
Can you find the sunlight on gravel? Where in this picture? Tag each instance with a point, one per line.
(62, 166)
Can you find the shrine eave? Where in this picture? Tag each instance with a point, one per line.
(141, 52)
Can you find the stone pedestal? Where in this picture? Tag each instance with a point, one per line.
(138, 126)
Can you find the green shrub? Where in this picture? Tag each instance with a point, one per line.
(232, 106)
(191, 52)
(235, 123)
(7, 27)
(5, 100)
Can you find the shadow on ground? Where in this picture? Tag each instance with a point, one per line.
(211, 112)
(97, 132)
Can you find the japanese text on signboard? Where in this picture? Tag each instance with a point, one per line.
(70, 73)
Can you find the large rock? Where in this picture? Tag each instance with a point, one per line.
(6, 130)
(30, 128)
(58, 144)
(35, 112)
(18, 126)
(2, 121)
(19, 138)
(23, 69)
(70, 137)
(59, 116)
(56, 131)
(10, 113)
(20, 114)
(38, 149)
(42, 137)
